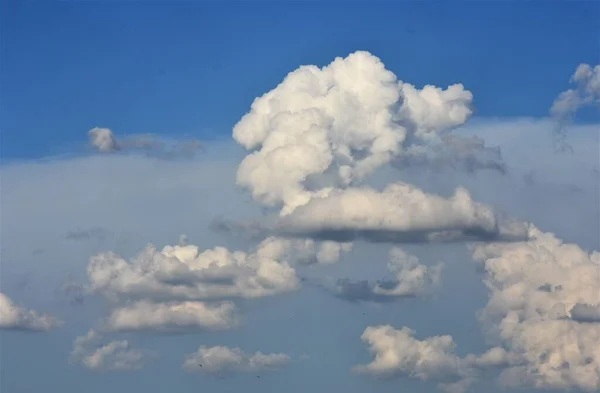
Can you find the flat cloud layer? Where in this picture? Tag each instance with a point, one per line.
(173, 316)
(220, 359)
(399, 213)
(13, 316)
(543, 307)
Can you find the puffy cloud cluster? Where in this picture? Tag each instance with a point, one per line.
(398, 353)
(329, 127)
(181, 287)
(104, 141)
(412, 279)
(586, 92)
(399, 213)
(90, 352)
(222, 359)
(544, 302)
(13, 316)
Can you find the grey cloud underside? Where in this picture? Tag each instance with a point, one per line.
(104, 141)
(455, 153)
(364, 291)
(582, 312)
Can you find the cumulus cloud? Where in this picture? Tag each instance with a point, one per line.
(92, 353)
(173, 317)
(543, 307)
(13, 316)
(302, 251)
(187, 273)
(586, 92)
(399, 353)
(399, 213)
(333, 126)
(412, 279)
(103, 140)
(220, 359)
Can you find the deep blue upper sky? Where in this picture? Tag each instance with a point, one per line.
(194, 67)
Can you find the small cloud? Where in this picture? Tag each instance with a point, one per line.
(16, 317)
(585, 92)
(91, 353)
(221, 359)
(412, 279)
(104, 141)
(95, 233)
(173, 317)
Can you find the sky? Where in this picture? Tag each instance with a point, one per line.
(299, 196)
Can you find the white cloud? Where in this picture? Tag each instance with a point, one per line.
(332, 127)
(173, 316)
(544, 297)
(13, 316)
(411, 279)
(401, 212)
(220, 359)
(586, 92)
(303, 251)
(90, 352)
(187, 273)
(103, 140)
(398, 352)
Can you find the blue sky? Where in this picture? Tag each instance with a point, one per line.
(190, 70)
(194, 67)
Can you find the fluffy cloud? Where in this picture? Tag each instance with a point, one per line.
(399, 213)
(544, 307)
(186, 273)
(333, 126)
(586, 92)
(222, 359)
(103, 140)
(303, 251)
(398, 353)
(412, 279)
(115, 355)
(13, 316)
(173, 316)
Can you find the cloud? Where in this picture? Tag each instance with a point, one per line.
(398, 353)
(332, 127)
(302, 251)
(173, 317)
(412, 279)
(13, 316)
(399, 213)
(454, 152)
(543, 306)
(187, 273)
(95, 233)
(114, 355)
(586, 92)
(104, 141)
(220, 359)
